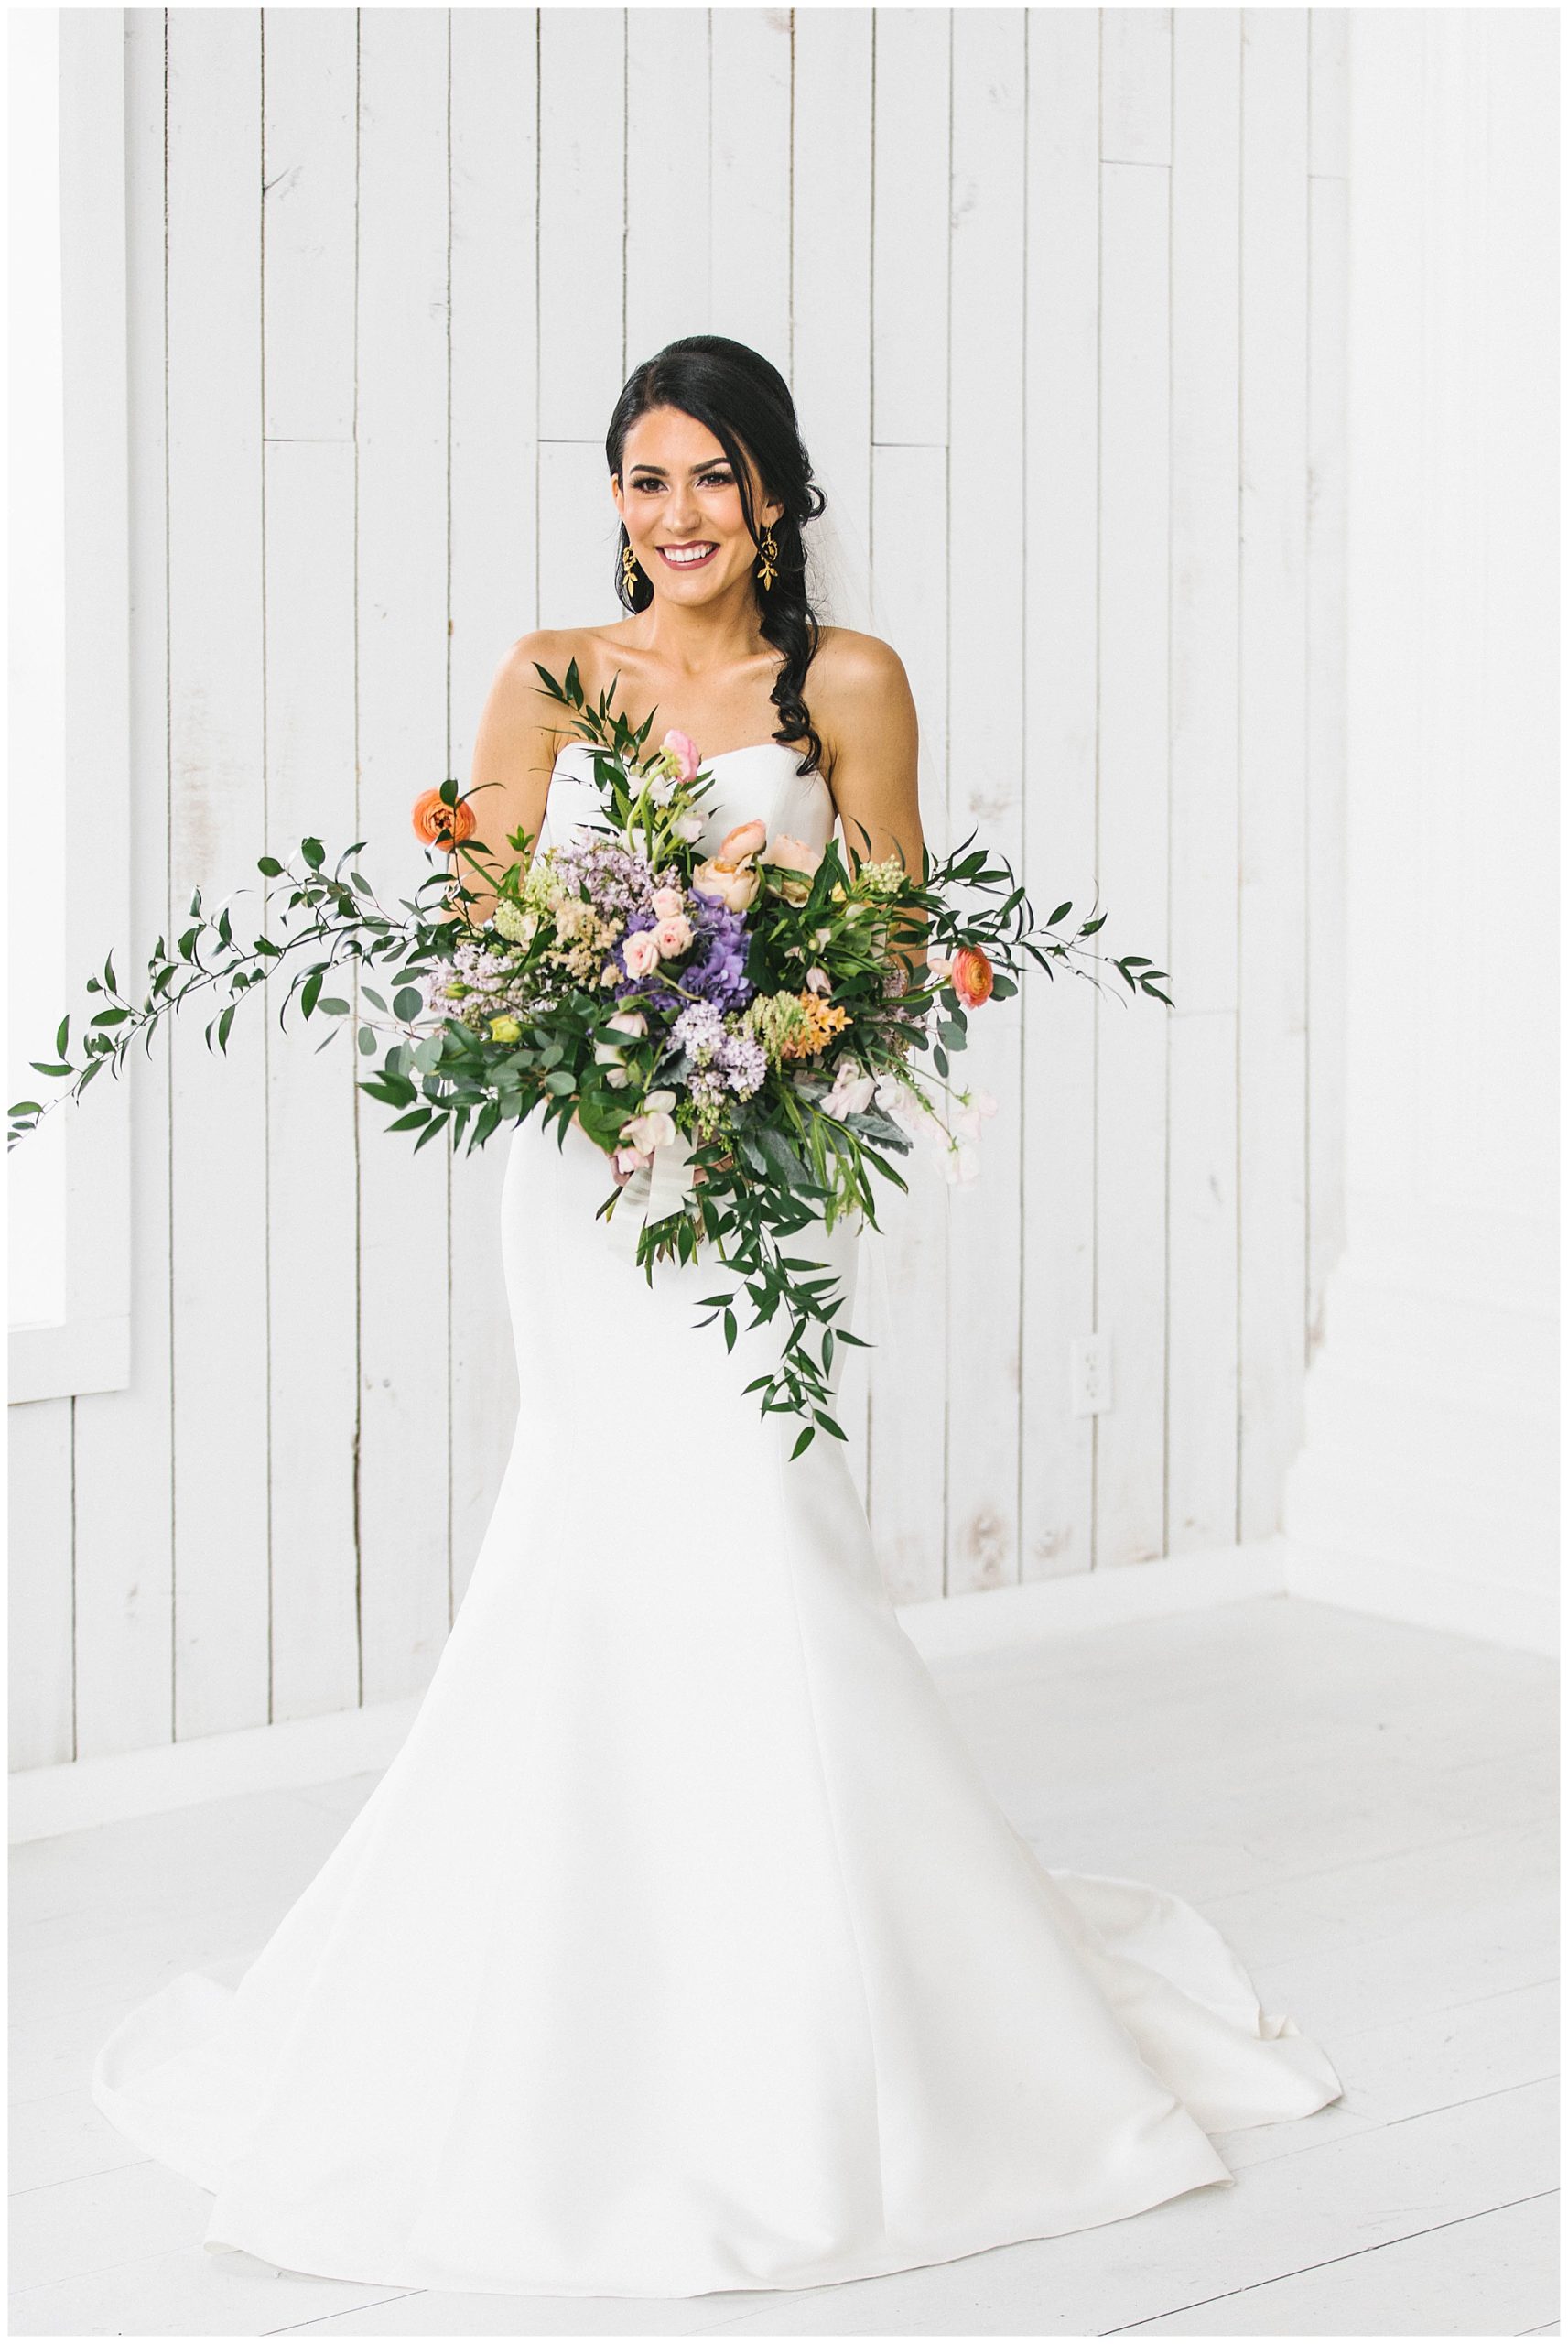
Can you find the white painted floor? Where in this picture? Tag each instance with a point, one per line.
(1365, 1809)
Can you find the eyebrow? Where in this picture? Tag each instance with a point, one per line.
(710, 465)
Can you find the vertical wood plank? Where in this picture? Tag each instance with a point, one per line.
(42, 1602)
(906, 1267)
(1201, 1491)
(124, 1488)
(494, 571)
(577, 526)
(1134, 700)
(1272, 721)
(906, 1311)
(1328, 67)
(750, 169)
(582, 219)
(404, 1588)
(830, 370)
(668, 170)
(1061, 454)
(1135, 89)
(831, 365)
(911, 98)
(985, 778)
(219, 1201)
(310, 70)
(1204, 357)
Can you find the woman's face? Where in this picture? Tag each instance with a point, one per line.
(677, 495)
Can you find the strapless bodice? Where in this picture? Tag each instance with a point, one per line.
(763, 782)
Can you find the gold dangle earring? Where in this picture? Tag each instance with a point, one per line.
(628, 569)
(767, 568)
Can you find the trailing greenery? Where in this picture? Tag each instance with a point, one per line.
(861, 979)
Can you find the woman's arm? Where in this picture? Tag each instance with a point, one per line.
(514, 750)
(864, 712)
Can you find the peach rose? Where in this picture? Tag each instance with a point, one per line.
(792, 866)
(789, 854)
(732, 887)
(640, 952)
(743, 841)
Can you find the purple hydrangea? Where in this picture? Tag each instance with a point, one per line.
(716, 970)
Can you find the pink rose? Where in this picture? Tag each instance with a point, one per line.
(668, 902)
(744, 839)
(720, 879)
(679, 751)
(673, 935)
(640, 952)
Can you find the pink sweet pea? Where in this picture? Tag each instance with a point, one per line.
(681, 756)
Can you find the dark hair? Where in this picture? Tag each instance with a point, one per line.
(746, 403)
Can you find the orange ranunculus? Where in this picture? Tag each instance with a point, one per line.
(971, 975)
(439, 824)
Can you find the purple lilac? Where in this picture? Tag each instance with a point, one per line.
(735, 1062)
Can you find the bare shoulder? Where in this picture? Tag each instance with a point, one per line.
(855, 667)
(860, 699)
(554, 647)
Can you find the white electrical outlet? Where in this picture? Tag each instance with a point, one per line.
(1091, 1375)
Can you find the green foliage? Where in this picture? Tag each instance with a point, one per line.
(783, 1161)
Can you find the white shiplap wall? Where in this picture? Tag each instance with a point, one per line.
(1061, 295)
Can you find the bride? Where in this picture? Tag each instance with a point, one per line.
(682, 1946)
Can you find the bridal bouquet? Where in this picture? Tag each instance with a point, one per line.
(750, 1035)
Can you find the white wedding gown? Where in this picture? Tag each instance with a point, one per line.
(682, 1946)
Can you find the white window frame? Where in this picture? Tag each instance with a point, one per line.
(90, 1348)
